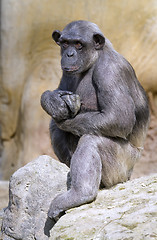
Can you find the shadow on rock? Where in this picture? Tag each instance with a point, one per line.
(48, 226)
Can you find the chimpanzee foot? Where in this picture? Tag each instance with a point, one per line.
(55, 216)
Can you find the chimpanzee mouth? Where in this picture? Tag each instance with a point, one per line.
(70, 69)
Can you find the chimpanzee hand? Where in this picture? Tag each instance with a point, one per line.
(60, 105)
(72, 101)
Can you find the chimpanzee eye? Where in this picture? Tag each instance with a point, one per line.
(65, 44)
(78, 45)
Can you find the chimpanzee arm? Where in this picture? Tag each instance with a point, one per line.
(116, 111)
(60, 104)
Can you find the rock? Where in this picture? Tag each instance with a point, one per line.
(32, 189)
(147, 164)
(30, 64)
(126, 211)
(4, 193)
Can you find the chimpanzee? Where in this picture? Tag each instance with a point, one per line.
(100, 115)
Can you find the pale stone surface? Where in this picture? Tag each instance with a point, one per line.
(126, 211)
(32, 189)
(30, 64)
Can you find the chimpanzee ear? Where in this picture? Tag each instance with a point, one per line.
(99, 41)
(56, 35)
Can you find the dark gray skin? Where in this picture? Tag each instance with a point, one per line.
(100, 115)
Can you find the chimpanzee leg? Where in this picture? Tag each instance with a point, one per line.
(85, 171)
(118, 159)
(63, 143)
(96, 159)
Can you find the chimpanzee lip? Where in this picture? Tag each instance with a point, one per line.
(70, 69)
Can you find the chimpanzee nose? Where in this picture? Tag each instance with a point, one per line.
(70, 54)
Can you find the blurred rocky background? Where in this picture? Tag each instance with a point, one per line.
(30, 64)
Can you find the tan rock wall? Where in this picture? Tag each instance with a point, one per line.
(30, 63)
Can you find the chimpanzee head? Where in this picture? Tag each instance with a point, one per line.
(80, 43)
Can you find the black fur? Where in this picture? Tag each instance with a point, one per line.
(100, 114)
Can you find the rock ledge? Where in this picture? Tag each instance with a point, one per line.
(126, 211)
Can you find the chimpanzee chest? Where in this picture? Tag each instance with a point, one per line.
(87, 94)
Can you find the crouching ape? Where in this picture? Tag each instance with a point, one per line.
(100, 115)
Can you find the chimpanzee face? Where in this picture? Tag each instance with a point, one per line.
(79, 47)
